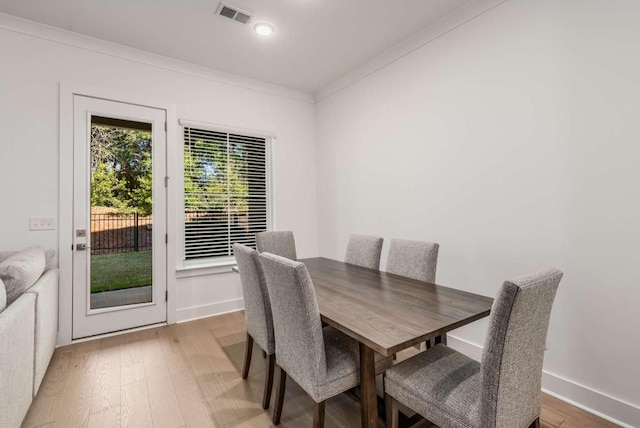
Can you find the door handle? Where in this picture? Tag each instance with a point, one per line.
(81, 247)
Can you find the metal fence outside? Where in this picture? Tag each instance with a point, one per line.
(118, 233)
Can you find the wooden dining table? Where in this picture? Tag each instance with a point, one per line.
(387, 313)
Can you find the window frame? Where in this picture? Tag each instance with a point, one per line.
(211, 265)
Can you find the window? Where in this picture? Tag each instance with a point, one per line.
(226, 192)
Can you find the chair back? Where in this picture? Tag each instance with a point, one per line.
(512, 359)
(281, 243)
(364, 250)
(296, 320)
(413, 259)
(257, 308)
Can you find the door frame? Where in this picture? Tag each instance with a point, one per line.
(65, 197)
(88, 321)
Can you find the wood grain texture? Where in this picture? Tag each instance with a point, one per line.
(135, 410)
(76, 402)
(132, 373)
(165, 410)
(268, 383)
(67, 392)
(109, 418)
(555, 412)
(247, 356)
(318, 414)
(281, 384)
(106, 390)
(194, 407)
(386, 312)
(58, 373)
(391, 410)
(43, 410)
(369, 397)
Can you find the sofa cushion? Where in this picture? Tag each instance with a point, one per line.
(49, 257)
(21, 270)
(6, 254)
(3, 296)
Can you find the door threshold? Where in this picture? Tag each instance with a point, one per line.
(118, 333)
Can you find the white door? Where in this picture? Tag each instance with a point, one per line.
(119, 224)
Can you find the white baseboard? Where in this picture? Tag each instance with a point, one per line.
(607, 407)
(468, 348)
(203, 311)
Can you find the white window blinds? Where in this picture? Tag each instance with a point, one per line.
(226, 195)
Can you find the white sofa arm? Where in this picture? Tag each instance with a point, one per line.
(16, 360)
(46, 328)
(5, 255)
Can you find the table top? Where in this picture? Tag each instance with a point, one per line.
(387, 312)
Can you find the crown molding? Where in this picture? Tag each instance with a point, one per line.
(457, 18)
(80, 41)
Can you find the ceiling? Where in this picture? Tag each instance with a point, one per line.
(316, 41)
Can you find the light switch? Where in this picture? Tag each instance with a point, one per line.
(42, 223)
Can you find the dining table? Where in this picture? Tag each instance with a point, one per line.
(387, 313)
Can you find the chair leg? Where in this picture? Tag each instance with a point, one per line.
(281, 379)
(268, 382)
(247, 356)
(535, 424)
(391, 410)
(318, 415)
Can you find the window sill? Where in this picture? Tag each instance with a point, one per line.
(205, 269)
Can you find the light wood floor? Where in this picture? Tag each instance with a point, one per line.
(188, 375)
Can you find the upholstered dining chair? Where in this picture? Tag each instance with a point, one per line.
(279, 242)
(413, 259)
(324, 362)
(257, 314)
(364, 250)
(503, 390)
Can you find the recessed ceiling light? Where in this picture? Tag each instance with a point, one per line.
(264, 28)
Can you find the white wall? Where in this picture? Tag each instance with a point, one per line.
(35, 59)
(510, 140)
(513, 142)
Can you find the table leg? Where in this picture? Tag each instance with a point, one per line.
(441, 339)
(369, 399)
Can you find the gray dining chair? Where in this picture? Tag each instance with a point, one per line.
(279, 242)
(503, 390)
(413, 259)
(416, 260)
(364, 250)
(324, 362)
(257, 314)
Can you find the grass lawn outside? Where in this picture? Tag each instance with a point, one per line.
(118, 271)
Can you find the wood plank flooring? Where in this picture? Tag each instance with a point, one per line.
(188, 375)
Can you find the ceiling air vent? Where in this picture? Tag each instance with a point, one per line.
(234, 13)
